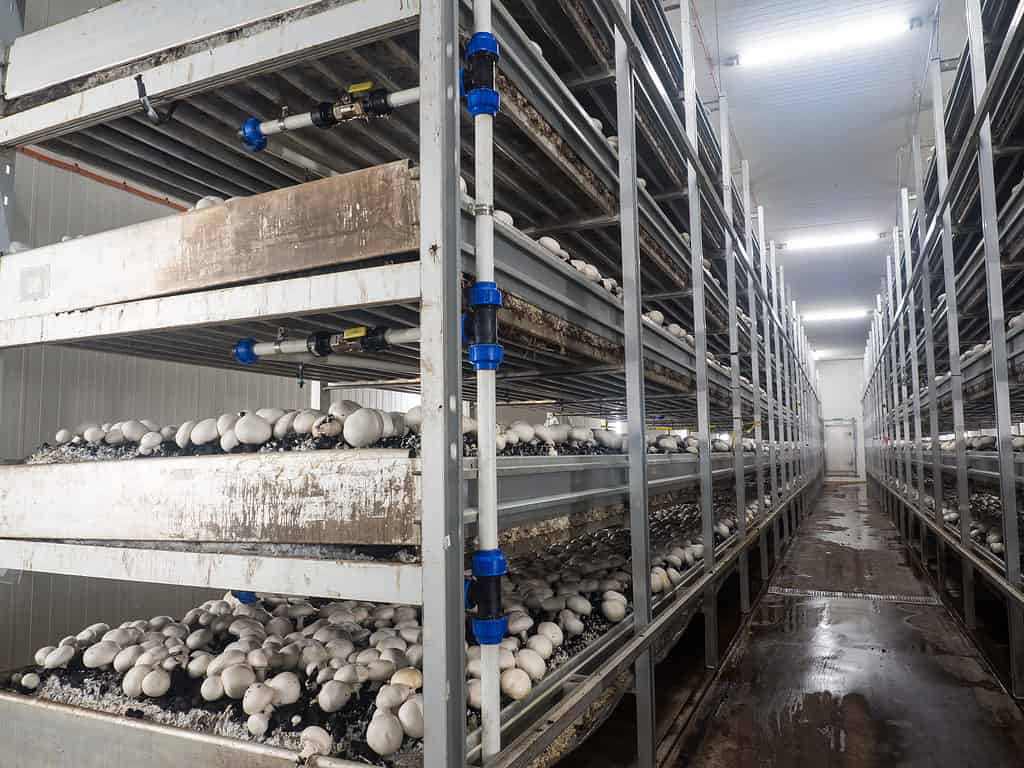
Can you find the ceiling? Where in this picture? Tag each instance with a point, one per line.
(823, 135)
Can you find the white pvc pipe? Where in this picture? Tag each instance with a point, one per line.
(402, 335)
(487, 474)
(338, 360)
(404, 98)
(286, 347)
(290, 123)
(490, 701)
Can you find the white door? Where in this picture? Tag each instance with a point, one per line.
(841, 448)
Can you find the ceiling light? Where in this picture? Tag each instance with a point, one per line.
(831, 41)
(814, 243)
(834, 315)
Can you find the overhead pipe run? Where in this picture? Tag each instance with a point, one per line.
(331, 348)
(360, 102)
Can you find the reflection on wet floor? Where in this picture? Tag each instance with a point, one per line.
(839, 682)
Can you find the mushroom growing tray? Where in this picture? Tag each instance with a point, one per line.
(351, 496)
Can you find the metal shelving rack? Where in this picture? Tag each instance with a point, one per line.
(953, 279)
(184, 288)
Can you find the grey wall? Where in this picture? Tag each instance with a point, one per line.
(45, 13)
(842, 382)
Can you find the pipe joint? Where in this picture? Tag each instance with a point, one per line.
(252, 135)
(479, 77)
(319, 344)
(245, 351)
(484, 592)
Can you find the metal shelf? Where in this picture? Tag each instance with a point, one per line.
(953, 281)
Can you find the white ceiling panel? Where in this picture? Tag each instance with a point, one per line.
(823, 134)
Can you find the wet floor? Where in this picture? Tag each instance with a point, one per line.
(874, 672)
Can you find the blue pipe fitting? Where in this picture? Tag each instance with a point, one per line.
(252, 137)
(486, 357)
(483, 42)
(490, 631)
(489, 562)
(478, 79)
(485, 293)
(245, 597)
(245, 351)
(484, 591)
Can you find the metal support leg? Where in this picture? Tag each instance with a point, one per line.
(444, 707)
(699, 325)
(639, 526)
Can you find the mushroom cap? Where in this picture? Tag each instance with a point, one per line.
(131, 684)
(212, 689)
(409, 677)
(363, 428)
(516, 684)
(392, 696)
(614, 610)
(237, 679)
(286, 687)
(342, 409)
(334, 695)
(552, 632)
(257, 698)
(410, 715)
(253, 430)
(156, 683)
(59, 657)
(284, 424)
(257, 724)
(204, 432)
(315, 741)
(474, 694)
(133, 430)
(304, 421)
(541, 645)
(101, 654)
(532, 664)
(183, 437)
(414, 418)
(385, 733)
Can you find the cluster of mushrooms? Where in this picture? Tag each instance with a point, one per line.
(986, 510)
(267, 656)
(346, 424)
(976, 443)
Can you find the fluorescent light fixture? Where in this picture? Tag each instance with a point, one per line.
(841, 240)
(828, 41)
(834, 315)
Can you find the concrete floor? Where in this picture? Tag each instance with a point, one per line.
(879, 675)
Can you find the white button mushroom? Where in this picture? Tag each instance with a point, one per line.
(334, 695)
(237, 679)
(59, 657)
(211, 690)
(614, 610)
(183, 437)
(284, 424)
(257, 698)
(133, 430)
(384, 734)
(257, 724)
(253, 430)
(304, 421)
(392, 696)
(42, 653)
(363, 428)
(409, 677)
(101, 654)
(315, 741)
(132, 682)
(31, 681)
(156, 683)
(204, 432)
(414, 418)
(541, 645)
(516, 684)
(63, 436)
(532, 664)
(286, 688)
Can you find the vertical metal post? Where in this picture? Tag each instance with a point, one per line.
(904, 400)
(755, 363)
(785, 411)
(700, 335)
(929, 342)
(890, 312)
(767, 266)
(915, 374)
(444, 707)
(953, 339)
(739, 475)
(632, 303)
(780, 405)
(763, 259)
(994, 283)
(997, 331)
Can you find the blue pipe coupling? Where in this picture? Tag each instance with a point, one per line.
(252, 135)
(479, 77)
(490, 625)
